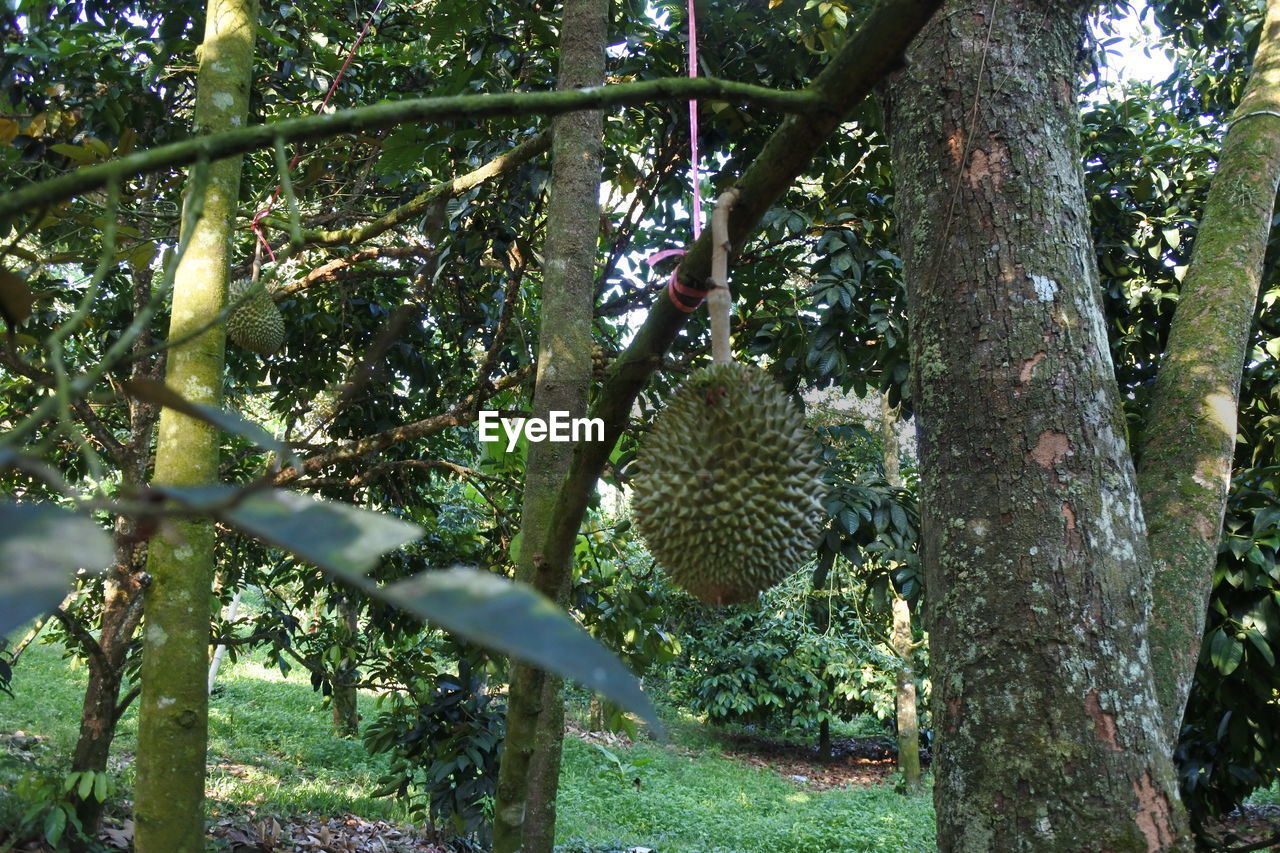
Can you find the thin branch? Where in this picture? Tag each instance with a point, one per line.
(88, 417)
(501, 165)
(373, 472)
(463, 413)
(83, 637)
(377, 116)
(339, 269)
(125, 701)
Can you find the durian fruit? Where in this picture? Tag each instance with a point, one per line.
(728, 494)
(256, 324)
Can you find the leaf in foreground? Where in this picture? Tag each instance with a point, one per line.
(339, 538)
(41, 548)
(150, 391)
(478, 606)
(518, 621)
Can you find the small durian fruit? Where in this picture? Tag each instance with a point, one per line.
(729, 491)
(256, 324)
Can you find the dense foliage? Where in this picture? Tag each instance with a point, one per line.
(398, 334)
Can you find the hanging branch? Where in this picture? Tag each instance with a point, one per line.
(720, 300)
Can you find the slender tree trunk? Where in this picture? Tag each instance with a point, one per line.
(903, 647)
(220, 651)
(824, 739)
(524, 814)
(123, 588)
(346, 711)
(1033, 538)
(173, 718)
(1184, 467)
(905, 691)
(122, 610)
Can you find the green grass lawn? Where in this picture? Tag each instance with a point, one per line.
(271, 750)
(702, 802)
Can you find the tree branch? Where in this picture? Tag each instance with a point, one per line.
(1185, 456)
(83, 637)
(501, 165)
(461, 414)
(455, 107)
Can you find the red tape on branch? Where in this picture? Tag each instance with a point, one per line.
(686, 298)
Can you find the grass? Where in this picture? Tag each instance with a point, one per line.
(706, 803)
(271, 751)
(270, 745)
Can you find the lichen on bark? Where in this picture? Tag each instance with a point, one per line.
(1033, 538)
(1188, 443)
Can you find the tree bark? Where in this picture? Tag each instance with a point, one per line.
(121, 612)
(1033, 539)
(173, 717)
(905, 694)
(1188, 442)
(525, 813)
(908, 719)
(346, 711)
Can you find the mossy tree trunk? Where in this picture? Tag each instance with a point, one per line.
(1035, 554)
(908, 718)
(524, 813)
(173, 717)
(1186, 451)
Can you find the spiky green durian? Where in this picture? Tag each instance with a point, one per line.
(256, 324)
(728, 494)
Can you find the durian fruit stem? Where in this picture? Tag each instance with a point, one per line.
(719, 301)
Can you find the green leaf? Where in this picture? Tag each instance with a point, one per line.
(41, 548)
(1225, 652)
(86, 784)
(339, 538)
(151, 391)
(516, 620)
(55, 823)
(1260, 643)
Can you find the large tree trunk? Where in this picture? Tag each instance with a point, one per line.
(173, 717)
(1189, 440)
(1034, 546)
(525, 813)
